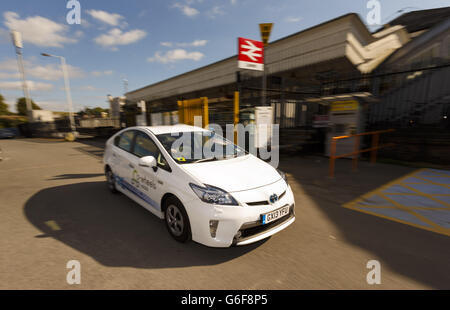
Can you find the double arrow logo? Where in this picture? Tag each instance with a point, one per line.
(252, 50)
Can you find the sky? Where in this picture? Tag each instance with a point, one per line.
(146, 41)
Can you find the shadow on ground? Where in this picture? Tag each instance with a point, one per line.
(115, 231)
(76, 176)
(418, 254)
(92, 146)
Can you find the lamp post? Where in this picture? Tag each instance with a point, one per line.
(67, 87)
(17, 42)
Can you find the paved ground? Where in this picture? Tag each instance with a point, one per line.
(54, 207)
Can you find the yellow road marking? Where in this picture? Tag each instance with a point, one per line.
(354, 204)
(432, 229)
(440, 175)
(434, 183)
(393, 208)
(413, 194)
(447, 205)
(420, 217)
(382, 188)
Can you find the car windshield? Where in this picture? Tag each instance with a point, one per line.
(198, 146)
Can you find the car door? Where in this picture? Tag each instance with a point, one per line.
(120, 152)
(148, 182)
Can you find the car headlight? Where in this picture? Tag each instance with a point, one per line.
(213, 195)
(283, 175)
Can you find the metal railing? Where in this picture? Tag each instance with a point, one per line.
(356, 149)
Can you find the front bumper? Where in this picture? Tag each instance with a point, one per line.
(256, 231)
(240, 225)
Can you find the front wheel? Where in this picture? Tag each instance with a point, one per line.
(177, 221)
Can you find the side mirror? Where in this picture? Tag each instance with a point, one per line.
(148, 161)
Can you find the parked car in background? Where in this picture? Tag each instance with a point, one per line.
(7, 133)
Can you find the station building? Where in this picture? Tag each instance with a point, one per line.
(398, 75)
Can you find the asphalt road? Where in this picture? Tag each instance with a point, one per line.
(55, 207)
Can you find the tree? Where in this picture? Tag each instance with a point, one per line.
(96, 112)
(22, 106)
(4, 108)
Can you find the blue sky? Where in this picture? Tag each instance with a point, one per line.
(146, 41)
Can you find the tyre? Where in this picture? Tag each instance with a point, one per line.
(111, 180)
(177, 220)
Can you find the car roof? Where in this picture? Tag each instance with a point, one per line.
(157, 130)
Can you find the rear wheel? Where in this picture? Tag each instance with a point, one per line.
(111, 180)
(177, 221)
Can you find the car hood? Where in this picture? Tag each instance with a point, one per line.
(233, 175)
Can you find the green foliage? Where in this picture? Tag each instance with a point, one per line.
(4, 109)
(96, 112)
(22, 106)
(11, 121)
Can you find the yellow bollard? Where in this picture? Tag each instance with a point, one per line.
(69, 137)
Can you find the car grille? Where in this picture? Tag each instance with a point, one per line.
(250, 230)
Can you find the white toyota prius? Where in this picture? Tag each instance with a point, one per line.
(218, 201)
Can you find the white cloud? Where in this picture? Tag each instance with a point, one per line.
(102, 73)
(32, 85)
(49, 72)
(9, 75)
(111, 19)
(291, 19)
(195, 43)
(38, 30)
(175, 55)
(57, 106)
(85, 23)
(89, 88)
(215, 11)
(54, 72)
(186, 9)
(117, 37)
(79, 34)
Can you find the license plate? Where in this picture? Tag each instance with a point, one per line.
(275, 215)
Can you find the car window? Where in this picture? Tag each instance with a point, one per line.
(145, 146)
(117, 140)
(126, 140)
(193, 150)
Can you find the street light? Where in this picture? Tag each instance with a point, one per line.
(17, 42)
(67, 86)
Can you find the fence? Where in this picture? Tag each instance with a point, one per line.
(356, 150)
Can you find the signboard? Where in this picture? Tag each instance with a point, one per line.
(265, 29)
(251, 54)
(263, 122)
(347, 105)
